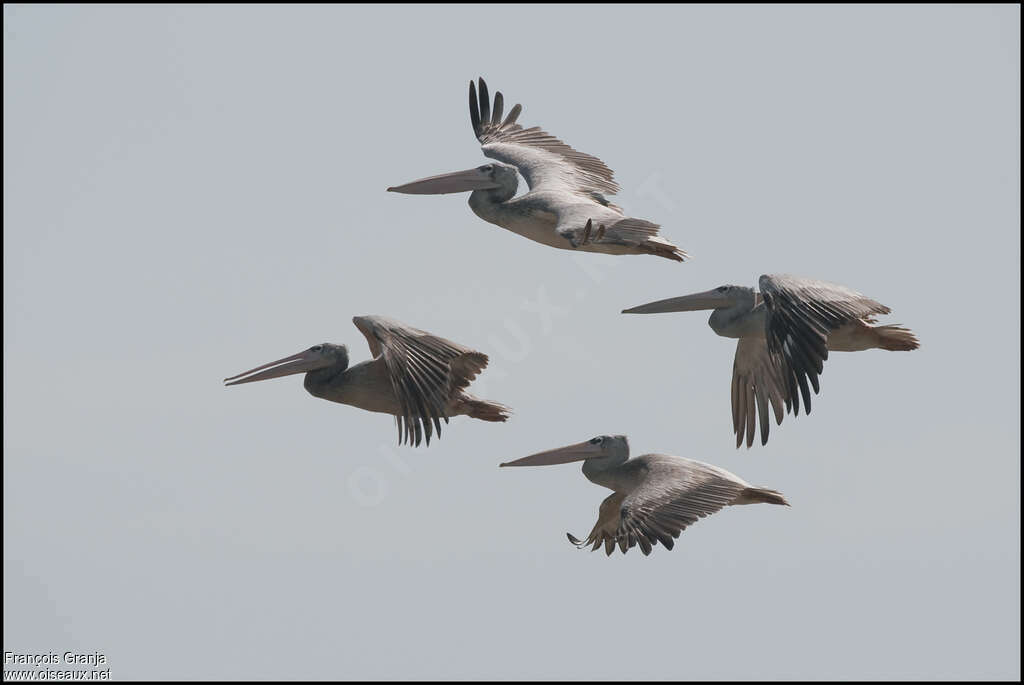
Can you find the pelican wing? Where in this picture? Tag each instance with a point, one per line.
(674, 494)
(758, 379)
(604, 532)
(801, 313)
(543, 160)
(425, 371)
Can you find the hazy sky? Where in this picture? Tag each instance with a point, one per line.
(192, 191)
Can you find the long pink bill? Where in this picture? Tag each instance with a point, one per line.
(561, 455)
(307, 360)
(711, 299)
(455, 182)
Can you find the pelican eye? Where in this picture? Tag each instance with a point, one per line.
(487, 168)
(597, 441)
(316, 348)
(722, 288)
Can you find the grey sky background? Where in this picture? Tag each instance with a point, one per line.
(192, 191)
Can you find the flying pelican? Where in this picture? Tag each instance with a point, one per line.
(567, 205)
(655, 496)
(416, 376)
(785, 333)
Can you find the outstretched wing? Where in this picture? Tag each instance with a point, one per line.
(758, 379)
(425, 372)
(801, 314)
(543, 160)
(604, 531)
(674, 494)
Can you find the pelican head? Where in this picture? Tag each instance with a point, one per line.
(322, 356)
(722, 297)
(604, 449)
(490, 176)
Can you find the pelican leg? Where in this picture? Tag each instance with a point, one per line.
(585, 236)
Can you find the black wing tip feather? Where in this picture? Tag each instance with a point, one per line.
(418, 430)
(474, 108)
(484, 119)
(479, 106)
(485, 103)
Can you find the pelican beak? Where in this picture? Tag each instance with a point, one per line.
(307, 360)
(712, 299)
(455, 182)
(562, 455)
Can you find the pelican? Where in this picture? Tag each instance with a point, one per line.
(785, 333)
(655, 496)
(567, 205)
(416, 376)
